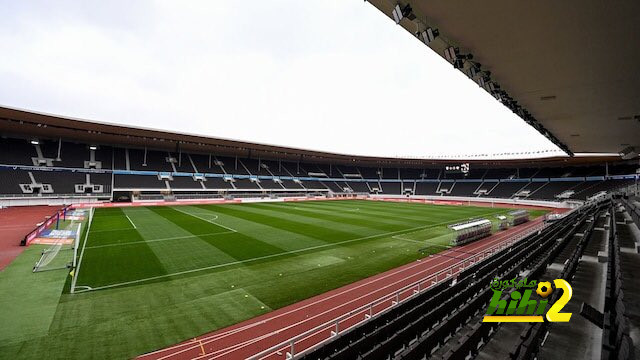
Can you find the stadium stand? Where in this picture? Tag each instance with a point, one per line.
(139, 182)
(138, 169)
(464, 189)
(359, 187)
(552, 190)
(393, 188)
(217, 183)
(369, 173)
(426, 188)
(442, 321)
(184, 182)
(246, 184)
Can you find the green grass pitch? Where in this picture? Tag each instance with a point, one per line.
(153, 276)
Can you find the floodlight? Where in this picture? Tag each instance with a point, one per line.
(429, 35)
(400, 13)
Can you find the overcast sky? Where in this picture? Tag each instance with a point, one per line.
(333, 75)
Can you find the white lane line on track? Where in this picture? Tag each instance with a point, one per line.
(211, 338)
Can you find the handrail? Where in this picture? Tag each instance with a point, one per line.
(335, 322)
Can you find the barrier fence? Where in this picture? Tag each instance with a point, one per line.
(38, 230)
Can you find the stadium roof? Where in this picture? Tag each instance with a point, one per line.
(40, 125)
(568, 68)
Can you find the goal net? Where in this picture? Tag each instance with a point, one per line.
(59, 254)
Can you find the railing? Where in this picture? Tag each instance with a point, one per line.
(55, 195)
(367, 312)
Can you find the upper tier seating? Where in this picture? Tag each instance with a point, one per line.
(411, 174)
(155, 161)
(73, 155)
(231, 166)
(369, 173)
(16, 152)
(202, 164)
(138, 182)
(390, 173)
(500, 174)
(182, 162)
(276, 168)
(76, 155)
(105, 154)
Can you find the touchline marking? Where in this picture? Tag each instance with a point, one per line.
(84, 245)
(263, 257)
(161, 239)
(210, 338)
(134, 225)
(201, 218)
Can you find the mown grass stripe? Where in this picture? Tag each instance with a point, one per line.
(236, 245)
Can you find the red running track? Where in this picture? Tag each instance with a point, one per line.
(263, 332)
(15, 224)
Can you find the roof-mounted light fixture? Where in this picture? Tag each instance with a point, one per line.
(401, 12)
(428, 35)
(35, 142)
(454, 57)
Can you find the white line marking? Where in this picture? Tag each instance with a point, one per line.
(268, 256)
(224, 351)
(207, 220)
(134, 225)
(422, 242)
(108, 230)
(76, 273)
(213, 337)
(160, 239)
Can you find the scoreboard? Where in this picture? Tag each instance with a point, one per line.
(457, 169)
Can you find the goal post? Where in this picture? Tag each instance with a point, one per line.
(77, 260)
(75, 247)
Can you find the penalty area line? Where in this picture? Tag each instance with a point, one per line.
(132, 224)
(205, 219)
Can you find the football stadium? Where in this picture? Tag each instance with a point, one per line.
(120, 240)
